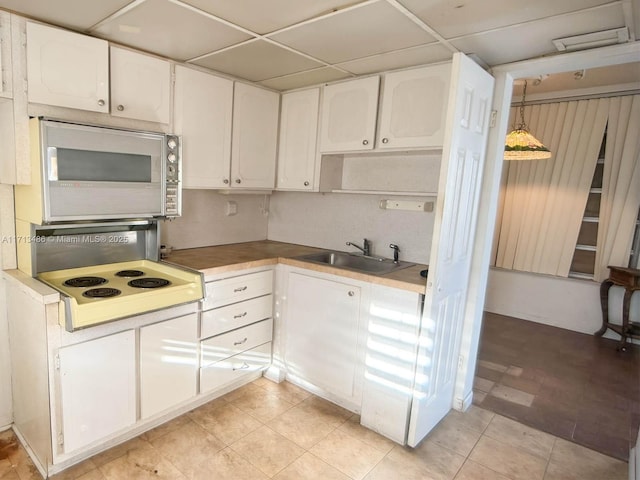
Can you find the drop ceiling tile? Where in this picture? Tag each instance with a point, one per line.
(454, 19)
(260, 18)
(257, 60)
(368, 30)
(410, 57)
(305, 79)
(169, 30)
(534, 39)
(76, 14)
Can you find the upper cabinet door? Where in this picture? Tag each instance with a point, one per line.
(349, 115)
(297, 146)
(67, 69)
(202, 115)
(255, 137)
(414, 107)
(140, 86)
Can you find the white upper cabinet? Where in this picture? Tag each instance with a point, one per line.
(202, 115)
(140, 86)
(254, 137)
(349, 115)
(67, 69)
(414, 107)
(297, 145)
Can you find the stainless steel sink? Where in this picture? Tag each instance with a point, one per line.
(355, 262)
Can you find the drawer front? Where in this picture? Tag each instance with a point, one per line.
(223, 319)
(237, 289)
(229, 344)
(226, 371)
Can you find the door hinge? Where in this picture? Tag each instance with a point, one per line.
(60, 439)
(56, 362)
(460, 362)
(492, 118)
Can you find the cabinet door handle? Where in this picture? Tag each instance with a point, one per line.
(365, 142)
(225, 181)
(101, 102)
(351, 293)
(240, 289)
(244, 366)
(306, 184)
(241, 341)
(241, 315)
(120, 108)
(385, 140)
(238, 180)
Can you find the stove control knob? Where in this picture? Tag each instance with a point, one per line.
(171, 143)
(171, 157)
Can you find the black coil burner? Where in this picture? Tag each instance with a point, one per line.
(129, 273)
(85, 281)
(103, 292)
(150, 282)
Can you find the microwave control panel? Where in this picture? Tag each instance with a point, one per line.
(172, 203)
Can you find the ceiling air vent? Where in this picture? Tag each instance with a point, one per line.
(592, 40)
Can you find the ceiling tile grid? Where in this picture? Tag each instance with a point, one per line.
(287, 44)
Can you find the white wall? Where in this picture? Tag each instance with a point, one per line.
(203, 221)
(329, 220)
(561, 302)
(6, 412)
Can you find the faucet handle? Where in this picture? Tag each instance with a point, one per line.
(394, 246)
(396, 251)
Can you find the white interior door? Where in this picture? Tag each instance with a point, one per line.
(454, 229)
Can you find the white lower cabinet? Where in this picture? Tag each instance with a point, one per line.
(217, 375)
(322, 334)
(97, 388)
(168, 364)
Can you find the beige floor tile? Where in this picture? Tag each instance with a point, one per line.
(438, 462)
(348, 454)
(514, 371)
(75, 471)
(302, 427)
(474, 471)
(261, 404)
(267, 450)
(188, 446)
(227, 422)
(453, 434)
(493, 366)
(474, 418)
(478, 396)
(24, 467)
(119, 450)
(239, 392)
(5, 467)
(227, 465)
(396, 469)
(328, 412)
(512, 395)
(10, 475)
(574, 462)
(352, 427)
(310, 467)
(508, 460)
(165, 428)
(285, 390)
(92, 475)
(141, 464)
(513, 433)
(483, 384)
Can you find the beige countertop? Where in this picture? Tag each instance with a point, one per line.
(240, 256)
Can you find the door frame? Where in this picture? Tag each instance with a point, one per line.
(505, 75)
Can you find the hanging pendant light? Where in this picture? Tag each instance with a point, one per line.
(520, 144)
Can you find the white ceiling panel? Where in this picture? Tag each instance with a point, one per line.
(534, 39)
(368, 30)
(420, 55)
(257, 60)
(169, 30)
(453, 19)
(75, 14)
(264, 17)
(304, 79)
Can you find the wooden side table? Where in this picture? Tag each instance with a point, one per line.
(629, 279)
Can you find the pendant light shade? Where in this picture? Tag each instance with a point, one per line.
(520, 144)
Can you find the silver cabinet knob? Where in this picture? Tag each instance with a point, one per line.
(225, 181)
(238, 180)
(101, 103)
(365, 142)
(306, 184)
(385, 140)
(351, 293)
(120, 108)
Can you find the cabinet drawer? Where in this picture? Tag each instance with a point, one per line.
(234, 316)
(218, 374)
(236, 289)
(228, 344)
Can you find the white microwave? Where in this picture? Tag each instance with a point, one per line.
(87, 172)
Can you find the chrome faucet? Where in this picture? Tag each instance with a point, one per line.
(366, 249)
(396, 251)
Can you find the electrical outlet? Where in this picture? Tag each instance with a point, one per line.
(231, 209)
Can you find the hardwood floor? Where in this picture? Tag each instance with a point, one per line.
(572, 385)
